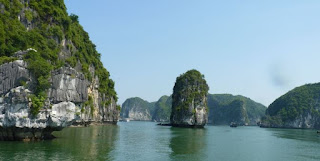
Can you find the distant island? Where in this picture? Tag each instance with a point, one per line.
(299, 108)
(223, 109)
(140, 110)
(226, 108)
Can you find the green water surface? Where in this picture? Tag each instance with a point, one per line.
(145, 141)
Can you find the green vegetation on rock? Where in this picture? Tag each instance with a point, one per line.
(189, 86)
(58, 39)
(90, 104)
(162, 109)
(301, 104)
(5, 59)
(189, 100)
(226, 108)
(37, 103)
(118, 107)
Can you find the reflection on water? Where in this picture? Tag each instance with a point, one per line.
(187, 142)
(304, 144)
(145, 141)
(296, 134)
(90, 143)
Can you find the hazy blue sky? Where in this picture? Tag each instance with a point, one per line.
(259, 49)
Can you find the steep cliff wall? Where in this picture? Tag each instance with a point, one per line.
(51, 75)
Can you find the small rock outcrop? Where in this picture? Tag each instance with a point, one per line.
(299, 108)
(189, 100)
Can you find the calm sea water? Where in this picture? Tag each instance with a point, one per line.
(145, 141)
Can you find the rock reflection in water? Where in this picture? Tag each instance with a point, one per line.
(89, 143)
(94, 143)
(187, 143)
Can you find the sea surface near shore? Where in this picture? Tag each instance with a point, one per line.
(147, 141)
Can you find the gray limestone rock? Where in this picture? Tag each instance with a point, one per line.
(12, 74)
(68, 85)
(15, 117)
(66, 103)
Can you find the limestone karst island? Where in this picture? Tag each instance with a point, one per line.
(189, 100)
(159, 80)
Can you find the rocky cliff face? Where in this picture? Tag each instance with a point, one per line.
(16, 120)
(68, 85)
(189, 100)
(137, 109)
(66, 103)
(299, 108)
(51, 75)
(226, 108)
